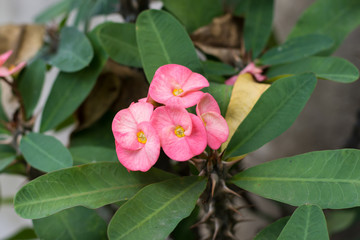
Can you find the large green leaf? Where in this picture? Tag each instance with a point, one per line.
(162, 40)
(45, 153)
(89, 154)
(307, 223)
(272, 231)
(194, 14)
(89, 8)
(273, 113)
(30, 84)
(157, 209)
(328, 179)
(25, 233)
(297, 48)
(91, 185)
(70, 89)
(7, 155)
(331, 68)
(119, 42)
(74, 223)
(334, 18)
(257, 27)
(74, 52)
(218, 68)
(221, 93)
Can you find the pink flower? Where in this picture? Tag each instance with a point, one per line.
(216, 127)
(177, 85)
(250, 68)
(182, 135)
(137, 143)
(4, 71)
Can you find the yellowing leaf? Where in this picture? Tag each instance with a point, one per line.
(245, 94)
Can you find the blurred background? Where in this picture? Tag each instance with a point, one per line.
(327, 121)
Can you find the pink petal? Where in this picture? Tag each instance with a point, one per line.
(260, 77)
(216, 128)
(184, 148)
(167, 118)
(207, 104)
(17, 68)
(4, 57)
(144, 158)
(172, 76)
(125, 124)
(232, 80)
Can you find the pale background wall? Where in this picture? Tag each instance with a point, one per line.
(325, 122)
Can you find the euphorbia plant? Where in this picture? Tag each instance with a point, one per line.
(181, 131)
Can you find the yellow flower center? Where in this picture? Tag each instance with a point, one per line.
(179, 131)
(12, 67)
(141, 137)
(177, 91)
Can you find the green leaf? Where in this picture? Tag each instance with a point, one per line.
(194, 14)
(162, 40)
(257, 27)
(7, 155)
(340, 220)
(273, 113)
(91, 185)
(218, 68)
(25, 233)
(306, 223)
(328, 179)
(160, 213)
(89, 8)
(74, 223)
(221, 93)
(54, 11)
(71, 89)
(45, 153)
(330, 68)
(75, 51)
(272, 231)
(333, 18)
(296, 48)
(89, 154)
(30, 83)
(119, 42)
(3, 116)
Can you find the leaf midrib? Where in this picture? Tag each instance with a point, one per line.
(158, 210)
(289, 179)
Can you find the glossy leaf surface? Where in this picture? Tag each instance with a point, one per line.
(7, 155)
(74, 52)
(258, 23)
(119, 42)
(307, 223)
(296, 48)
(334, 18)
(162, 40)
(194, 14)
(330, 68)
(272, 231)
(328, 179)
(162, 205)
(45, 153)
(30, 84)
(90, 185)
(273, 113)
(74, 223)
(70, 90)
(90, 154)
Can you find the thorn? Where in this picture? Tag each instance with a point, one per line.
(214, 179)
(228, 190)
(235, 210)
(205, 217)
(232, 163)
(229, 234)
(202, 173)
(217, 228)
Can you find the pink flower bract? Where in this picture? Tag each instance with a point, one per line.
(216, 127)
(250, 68)
(175, 84)
(4, 71)
(137, 143)
(182, 135)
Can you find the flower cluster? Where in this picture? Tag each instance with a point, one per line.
(141, 130)
(6, 72)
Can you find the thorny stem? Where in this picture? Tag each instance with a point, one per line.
(217, 202)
